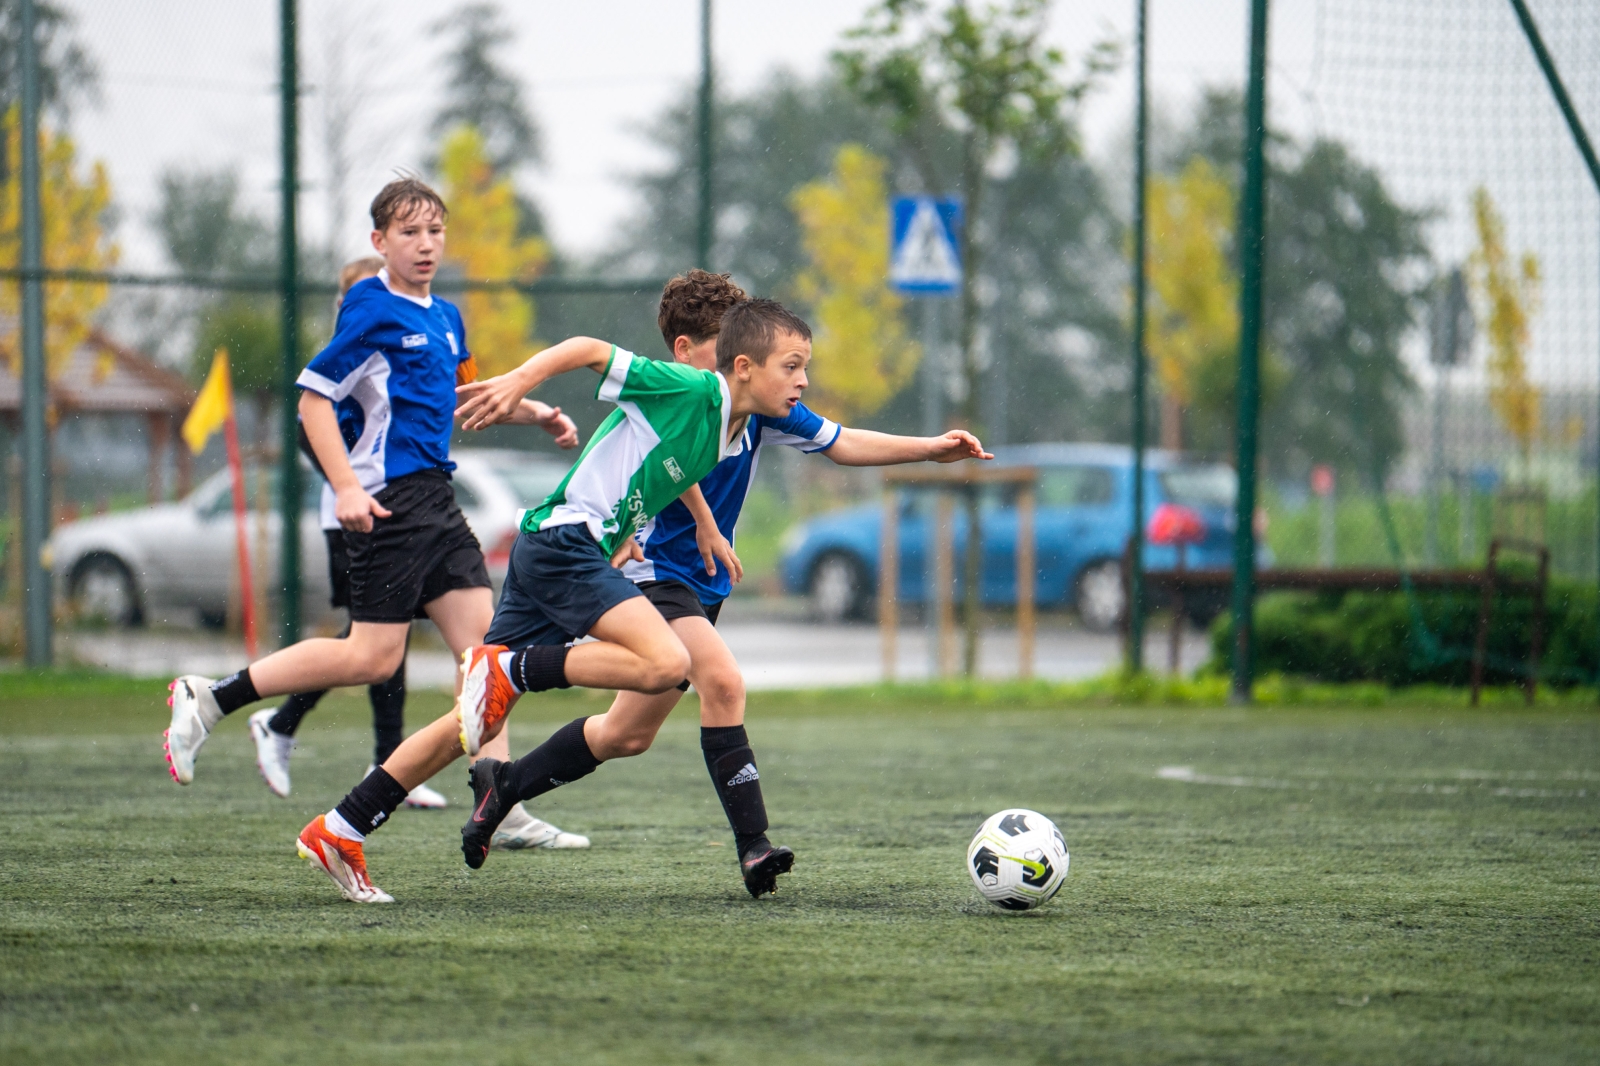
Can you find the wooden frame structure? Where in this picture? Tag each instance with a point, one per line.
(947, 481)
(1177, 582)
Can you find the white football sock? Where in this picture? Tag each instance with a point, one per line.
(341, 828)
(505, 668)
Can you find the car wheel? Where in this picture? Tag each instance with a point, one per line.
(103, 590)
(838, 589)
(1101, 599)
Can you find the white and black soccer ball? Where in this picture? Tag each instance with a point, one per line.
(1018, 859)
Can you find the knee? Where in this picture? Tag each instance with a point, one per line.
(721, 689)
(629, 746)
(377, 664)
(666, 669)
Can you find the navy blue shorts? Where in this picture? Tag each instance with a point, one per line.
(557, 587)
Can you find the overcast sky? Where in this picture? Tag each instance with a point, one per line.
(1440, 96)
(190, 82)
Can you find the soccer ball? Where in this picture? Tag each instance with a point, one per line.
(1018, 859)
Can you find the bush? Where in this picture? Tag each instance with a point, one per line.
(1424, 639)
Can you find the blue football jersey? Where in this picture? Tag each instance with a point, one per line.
(670, 551)
(391, 371)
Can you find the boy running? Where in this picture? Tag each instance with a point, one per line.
(674, 424)
(274, 728)
(393, 364)
(679, 574)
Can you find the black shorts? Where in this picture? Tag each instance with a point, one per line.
(423, 550)
(676, 600)
(557, 586)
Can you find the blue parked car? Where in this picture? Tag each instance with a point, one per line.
(1084, 511)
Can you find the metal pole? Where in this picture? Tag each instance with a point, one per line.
(289, 287)
(705, 227)
(35, 434)
(1252, 233)
(1136, 535)
(1559, 90)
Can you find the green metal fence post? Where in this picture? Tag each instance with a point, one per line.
(1252, 233)
(1136, 535)
(35, 433)
(289, 288)
(1579, 136)
(704, 226)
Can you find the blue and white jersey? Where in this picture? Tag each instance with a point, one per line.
(670, 551)
(391, 371)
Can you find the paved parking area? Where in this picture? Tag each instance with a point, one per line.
(775, 645)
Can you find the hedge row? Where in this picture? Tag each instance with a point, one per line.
(1426, 638)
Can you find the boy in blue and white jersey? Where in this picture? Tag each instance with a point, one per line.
(392, 366)
(680, 573)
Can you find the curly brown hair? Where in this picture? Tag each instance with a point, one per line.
(692, 305)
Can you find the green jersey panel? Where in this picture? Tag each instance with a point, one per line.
(669, 429)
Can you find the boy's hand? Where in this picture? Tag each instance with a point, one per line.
(627, 552)
(714, 546)
(957, 445)
(562, 428)
(354, 509)
(489, 402)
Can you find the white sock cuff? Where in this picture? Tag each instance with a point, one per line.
(341, 828)
(505, 668)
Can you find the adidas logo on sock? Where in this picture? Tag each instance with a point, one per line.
(745, 775)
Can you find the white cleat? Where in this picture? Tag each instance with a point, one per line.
(522, 830)
(424, 798)
(272, 751)
(194, 715)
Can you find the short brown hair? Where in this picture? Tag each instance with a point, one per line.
(358, 270)
(752, 327)
(401, 198)
(692, 305)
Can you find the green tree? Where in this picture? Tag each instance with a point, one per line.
(861, 355)
(483, 94)
(68, 75)
(1346, 264)
(961, 87)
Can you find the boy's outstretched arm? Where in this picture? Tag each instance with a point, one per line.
(487, 403)
(863, 447)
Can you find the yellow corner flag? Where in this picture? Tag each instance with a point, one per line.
(213, 407)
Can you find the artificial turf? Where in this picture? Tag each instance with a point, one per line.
(1407, 885)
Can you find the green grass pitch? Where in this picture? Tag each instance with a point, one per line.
(1368, 886)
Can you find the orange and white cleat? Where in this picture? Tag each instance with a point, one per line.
(194, 715)
(486, 695)
(341, 860)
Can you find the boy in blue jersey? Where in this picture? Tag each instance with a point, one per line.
(679, 572)
(391, 370)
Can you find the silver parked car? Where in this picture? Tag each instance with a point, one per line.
(174, 562)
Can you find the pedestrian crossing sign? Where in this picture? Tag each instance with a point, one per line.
(926, 254)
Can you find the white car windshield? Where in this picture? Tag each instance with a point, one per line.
(1208, 485)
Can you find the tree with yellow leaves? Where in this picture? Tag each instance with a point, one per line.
(73, 209)
(1193, 317)
(482, 242)
(861, 355)
(1510, 294)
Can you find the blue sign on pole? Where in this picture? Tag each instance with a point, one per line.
(925, 257)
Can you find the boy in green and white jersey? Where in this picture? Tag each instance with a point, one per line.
(673, 424)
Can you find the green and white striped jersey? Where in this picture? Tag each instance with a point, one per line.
(669, 429)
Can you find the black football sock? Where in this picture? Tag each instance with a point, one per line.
(539, 667)
(370, 803)
(234, 691)
(296, 707)
(738, 783)
(388, 715)
(561, 760)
